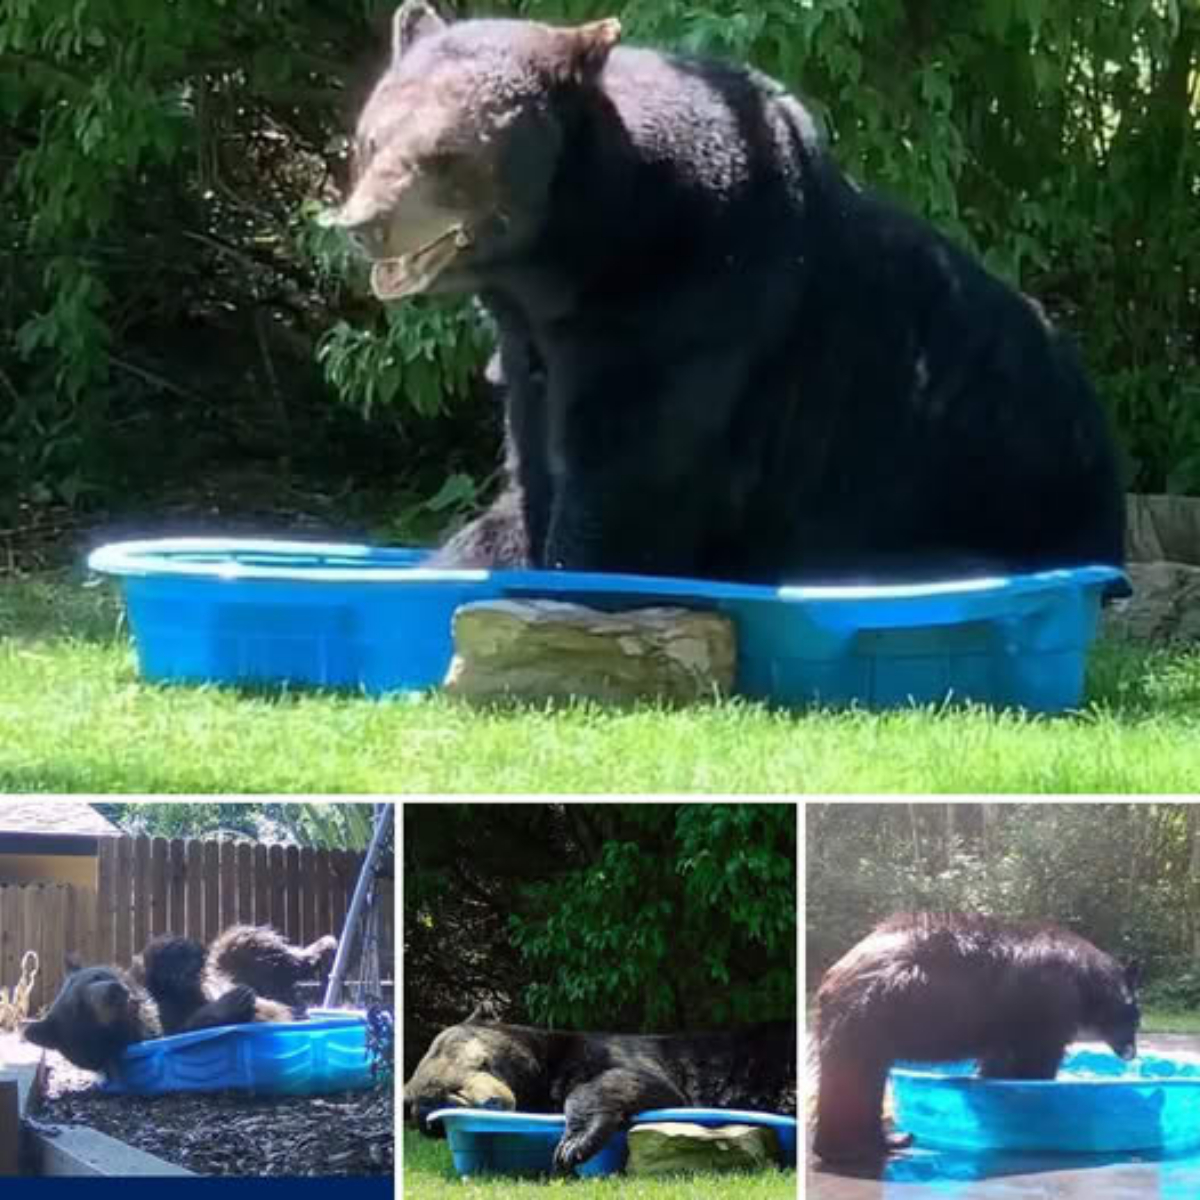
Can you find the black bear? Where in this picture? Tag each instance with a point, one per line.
(722, 358)
(247, 974)
(600, 1080)
(942, 987)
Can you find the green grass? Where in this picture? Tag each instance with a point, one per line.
(74, 717)
(1161, 1020)
(429, 1175)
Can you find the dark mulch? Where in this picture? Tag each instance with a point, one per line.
(232, 1133)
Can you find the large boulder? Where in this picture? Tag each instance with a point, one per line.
(1165, 603)
(547, 649)
(668, 1147)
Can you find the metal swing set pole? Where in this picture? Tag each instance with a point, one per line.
(383, 822)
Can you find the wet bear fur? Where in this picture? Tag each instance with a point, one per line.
(941, 987)
(174, 986)
(721, 357)
(600, 1080)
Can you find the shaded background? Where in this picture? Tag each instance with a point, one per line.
(622, 918)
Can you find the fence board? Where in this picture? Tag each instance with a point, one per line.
(291, 875)
(123, 899)
(212, 898)
(243, 867)
(321, 886)
(194, 927)
(307, 893)
(228, 893)
(158, 888)
(177, 885)
(262, 907)
(276, 881)
(103, 949)
(138, 900)
(185, 886)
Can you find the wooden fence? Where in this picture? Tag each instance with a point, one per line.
(189, 886)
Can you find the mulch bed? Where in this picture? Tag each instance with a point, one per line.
(233, 1133)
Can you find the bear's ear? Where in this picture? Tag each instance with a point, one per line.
(588, 47)
(72, 963)
(414, 20)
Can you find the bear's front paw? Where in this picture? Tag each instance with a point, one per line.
(570, 1152)
(237, 1005)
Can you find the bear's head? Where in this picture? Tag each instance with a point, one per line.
(456, 149)
(96, 1014)
(475, 1066)
(1113, 1012)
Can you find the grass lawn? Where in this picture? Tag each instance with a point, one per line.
(1158, 1020)
(429, 1175)
(74, 717)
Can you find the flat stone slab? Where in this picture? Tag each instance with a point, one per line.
(668, 1147)
(547, 649)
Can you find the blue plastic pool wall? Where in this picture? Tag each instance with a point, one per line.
(948, 1108)
(1034, 657)
(322, 634)
(288, 1059)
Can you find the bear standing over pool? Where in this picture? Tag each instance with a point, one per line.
(248, 974)
(937, 988)
(601, 1080)
(721, 357)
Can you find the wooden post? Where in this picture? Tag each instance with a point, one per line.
(10, 1125)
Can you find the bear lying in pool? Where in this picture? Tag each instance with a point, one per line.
(247, 974)
(600, 1080)
(941, 987)
(721, 357)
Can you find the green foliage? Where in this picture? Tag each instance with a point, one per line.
(657, 922)
(1119, 873)
(163, 164)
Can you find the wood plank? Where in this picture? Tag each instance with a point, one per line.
(194, 924)
(276, 886)
(103, 949)
(227, 855)
(158, 886)
(291, 872)
(262, 904)
(87, 915)
(10, 910)
(33, 919)
(337, 890)
(308, 896)
(244, 871)
(81, 1150)
(321, 885)
(212, 891)
(177, 886)
(53, 953)
(134, 902)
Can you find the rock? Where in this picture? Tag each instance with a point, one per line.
(1165, 603)
(661, 1148)
(543, 649)
(1163, 529)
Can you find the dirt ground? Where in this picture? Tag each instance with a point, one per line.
(227, 1133)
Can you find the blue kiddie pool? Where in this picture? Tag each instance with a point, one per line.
(483, 1140)
(1097, 1104)
(326, 1053)
(330, 615)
